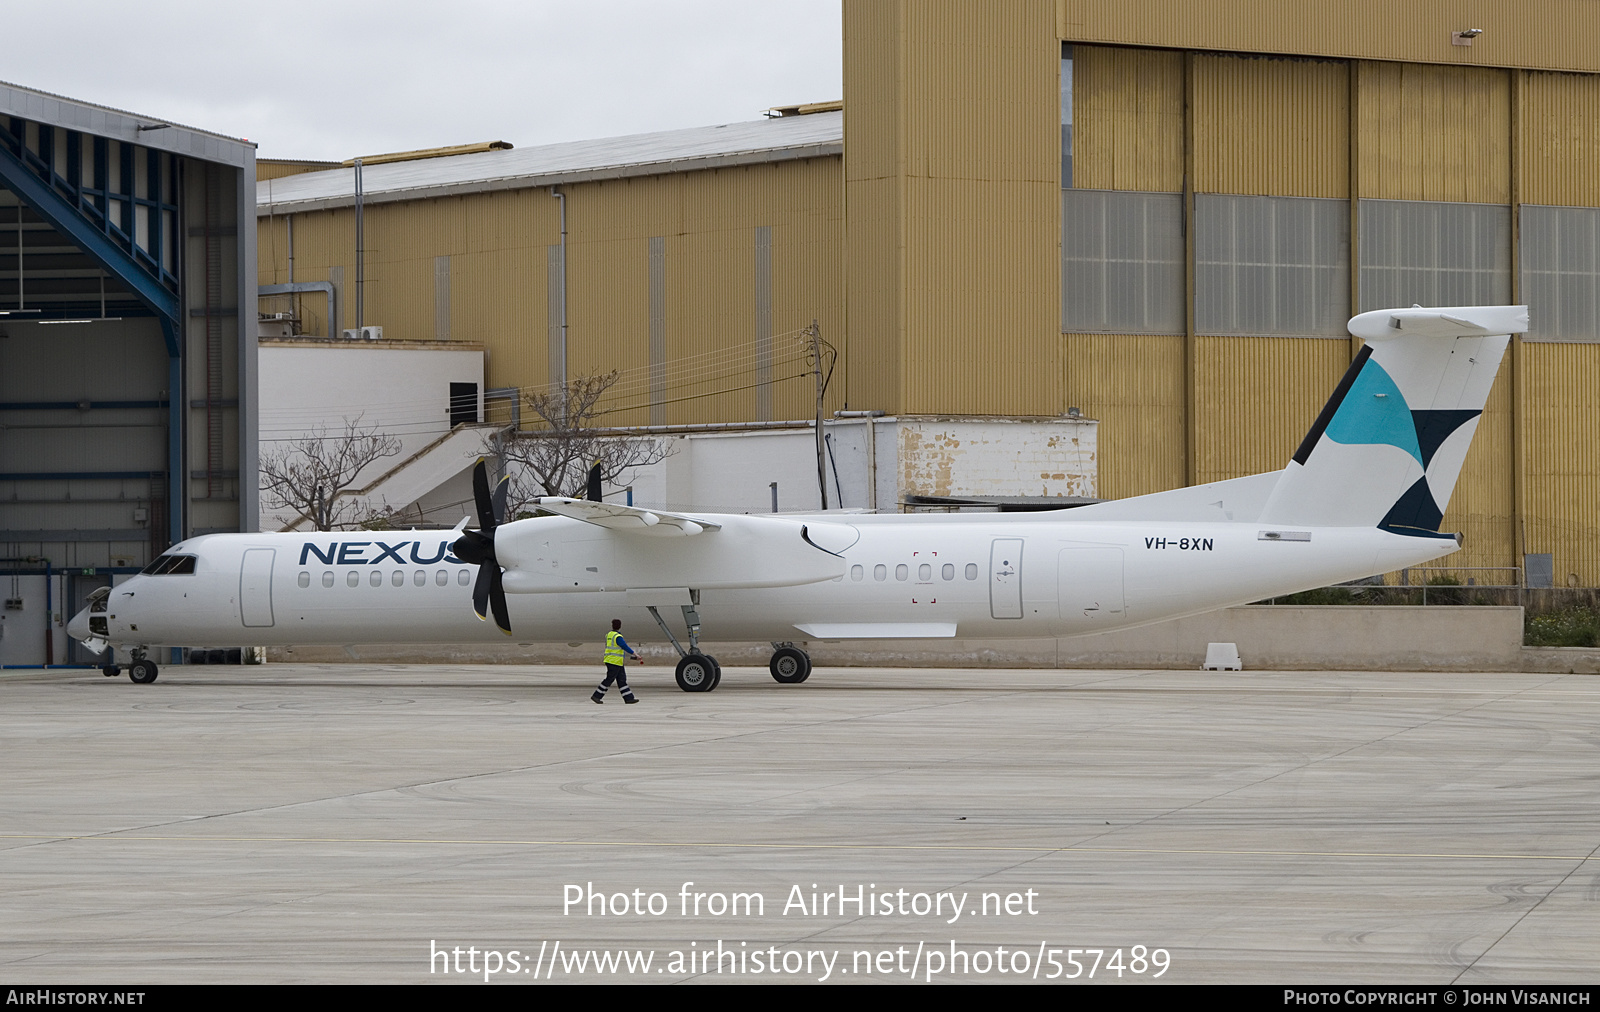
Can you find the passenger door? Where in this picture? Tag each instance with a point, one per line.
(1005, 578)
(255, 588)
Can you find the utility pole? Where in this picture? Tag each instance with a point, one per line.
(823, 356)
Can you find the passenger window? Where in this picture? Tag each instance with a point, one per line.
(442, 578)
(376, 579)
(901, 571)
(880, 572)
(327, 578)
(465, 577)
(857, 573)
(352, 578)
(421, 579)
(972, 570)
(948, 572)
(924, 572)
(399, 579)
(305, 580)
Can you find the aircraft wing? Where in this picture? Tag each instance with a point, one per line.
(628, 519)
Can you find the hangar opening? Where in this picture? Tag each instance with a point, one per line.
(127, 414)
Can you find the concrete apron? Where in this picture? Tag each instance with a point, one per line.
(1347, 638)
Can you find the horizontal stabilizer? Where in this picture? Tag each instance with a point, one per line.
(1462, 321)
(628, 519)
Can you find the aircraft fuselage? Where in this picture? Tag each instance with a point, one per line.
(973, 576)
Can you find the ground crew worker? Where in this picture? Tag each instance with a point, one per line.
(616, 647)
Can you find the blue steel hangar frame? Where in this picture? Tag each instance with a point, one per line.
(113, 184)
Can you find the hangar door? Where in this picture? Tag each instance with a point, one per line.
(255, 588)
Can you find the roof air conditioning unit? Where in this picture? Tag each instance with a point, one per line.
(363, 334)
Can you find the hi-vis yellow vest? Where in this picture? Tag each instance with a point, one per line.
(613, 652)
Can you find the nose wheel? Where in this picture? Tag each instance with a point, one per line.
(698, 673)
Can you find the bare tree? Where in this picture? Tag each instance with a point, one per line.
(308, 475)
(556, 457)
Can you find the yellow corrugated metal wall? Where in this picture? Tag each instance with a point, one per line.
(1259, 396)
(1128, 135)
(1562, 484)
(1271, 126)
(1134, 385)
(874, 219)
(1128, 119)
(1483, 506)
(1434, 133)
(1548, 34)
(498, 243)
(976, 186)
(1560, 127)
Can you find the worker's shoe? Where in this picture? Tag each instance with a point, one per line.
(596, 698)
(631, 699)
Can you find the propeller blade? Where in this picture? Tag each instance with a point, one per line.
(480, 495)
(480, 590)
(498, 500)
(497, 601)
(488, 594)
(594, 483)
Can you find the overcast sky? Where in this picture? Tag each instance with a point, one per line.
(338, 78)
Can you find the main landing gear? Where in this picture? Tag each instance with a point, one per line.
(697, 672)
(789, 665)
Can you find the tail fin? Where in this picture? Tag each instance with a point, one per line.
(1389, 445)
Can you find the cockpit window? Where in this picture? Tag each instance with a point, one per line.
(170, 565)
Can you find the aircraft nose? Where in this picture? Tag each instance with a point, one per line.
(78, 628)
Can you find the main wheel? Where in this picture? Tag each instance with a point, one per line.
(716, 678)
(143, 672)
(789, 665)
(697, 673)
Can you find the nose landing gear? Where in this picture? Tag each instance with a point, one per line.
(142, 671)
(697, 672)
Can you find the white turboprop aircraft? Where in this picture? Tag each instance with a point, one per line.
(1365, 493)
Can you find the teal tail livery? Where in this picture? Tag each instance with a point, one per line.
(1388, 446)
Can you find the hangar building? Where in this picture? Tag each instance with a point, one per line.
(1160, 212)
(127, 412)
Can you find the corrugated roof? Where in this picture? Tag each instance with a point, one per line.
(767, 140)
